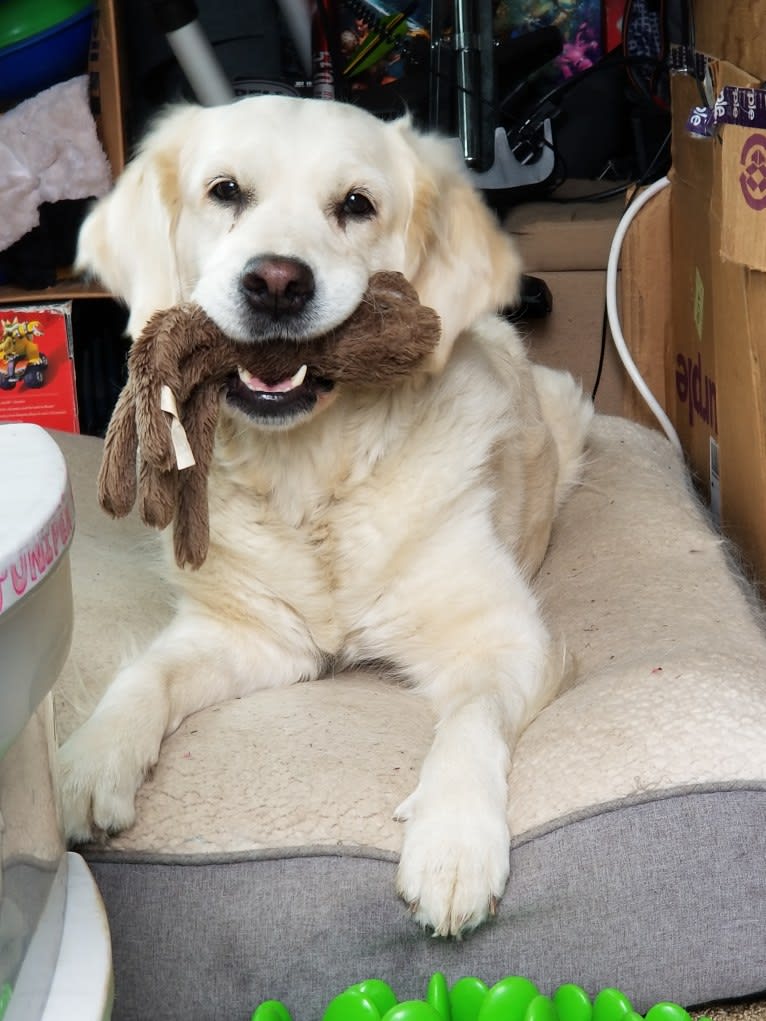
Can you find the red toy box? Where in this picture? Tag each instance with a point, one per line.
(37, 379)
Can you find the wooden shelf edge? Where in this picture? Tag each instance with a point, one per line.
(10, 294)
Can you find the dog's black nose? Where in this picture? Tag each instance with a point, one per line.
(276, 285)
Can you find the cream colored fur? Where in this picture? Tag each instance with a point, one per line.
(401, 525)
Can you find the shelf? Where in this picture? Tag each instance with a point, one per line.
(106, 100)
(64, 289)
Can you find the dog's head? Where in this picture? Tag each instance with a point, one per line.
(273, 213)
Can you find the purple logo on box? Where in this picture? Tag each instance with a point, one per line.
(697, 390)
(752, 180)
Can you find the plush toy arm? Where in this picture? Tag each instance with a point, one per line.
(124, 473)
(160, 439)
(138, 453)
(180, 350)
(139, 456)
(149, 377)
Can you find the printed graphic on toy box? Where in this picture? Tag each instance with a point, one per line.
(380, 38)
(37, 381)
(579, 22)
(613, 13)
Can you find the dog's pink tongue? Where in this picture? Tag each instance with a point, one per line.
(256, 383)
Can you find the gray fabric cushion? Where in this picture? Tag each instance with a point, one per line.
(262, 861)
(665, 900)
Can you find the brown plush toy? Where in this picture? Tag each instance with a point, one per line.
(160, 438)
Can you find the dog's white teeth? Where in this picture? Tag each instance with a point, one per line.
(259, 386)
(299, 376)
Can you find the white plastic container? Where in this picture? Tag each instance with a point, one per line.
(50, 911)
(37, 512)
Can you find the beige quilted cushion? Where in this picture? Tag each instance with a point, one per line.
(670, 690)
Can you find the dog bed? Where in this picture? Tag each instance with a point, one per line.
(262, 861)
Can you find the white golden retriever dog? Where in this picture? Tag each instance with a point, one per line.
(348, 524)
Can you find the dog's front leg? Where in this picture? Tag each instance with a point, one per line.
(195, 662)
(488, 666)
(455, 851)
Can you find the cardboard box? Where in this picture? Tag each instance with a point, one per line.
(734, 31)
(37, 381)
(691, 383)
(716, 373)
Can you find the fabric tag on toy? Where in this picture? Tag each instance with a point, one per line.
(183, 451)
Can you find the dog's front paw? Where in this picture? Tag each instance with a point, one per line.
(99, 773)
(454, 863)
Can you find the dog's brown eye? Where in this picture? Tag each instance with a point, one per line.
(358, 205)
(225, 190)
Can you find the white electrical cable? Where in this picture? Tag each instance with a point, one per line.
(613, 315)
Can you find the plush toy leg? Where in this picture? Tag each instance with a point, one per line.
(157, 495)
(117, 477)
(191, 530)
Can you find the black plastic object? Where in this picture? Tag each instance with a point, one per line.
(174, 14)
(535, 301)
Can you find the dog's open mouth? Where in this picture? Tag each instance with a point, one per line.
(383, 340)
(289, 397)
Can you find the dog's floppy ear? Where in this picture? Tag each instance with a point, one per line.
(127, 240)
(460, 261)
